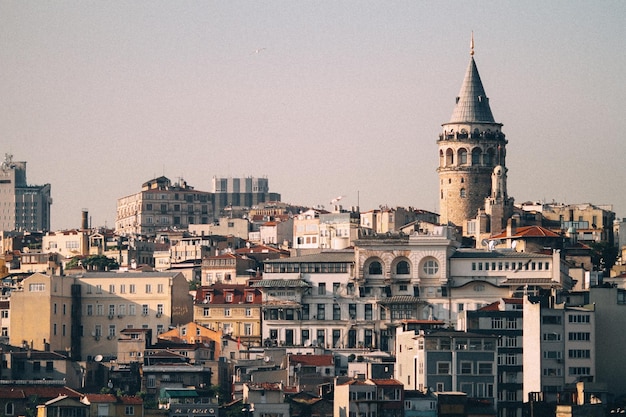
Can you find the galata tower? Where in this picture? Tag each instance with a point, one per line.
(471, 145)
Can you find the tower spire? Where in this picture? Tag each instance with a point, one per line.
(472, 44)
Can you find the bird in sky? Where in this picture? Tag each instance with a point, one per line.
(258, 51)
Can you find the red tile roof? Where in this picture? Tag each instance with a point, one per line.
(312, 360)
(387, 382)
(528, 231)
(101, 398)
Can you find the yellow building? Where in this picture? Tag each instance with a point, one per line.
(84, 314)
(233, 309)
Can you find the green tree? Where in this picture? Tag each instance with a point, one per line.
(603, 256)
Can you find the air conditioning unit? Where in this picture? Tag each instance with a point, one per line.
(159, 314)
(97, 337)
(110, 337)
(111, 316)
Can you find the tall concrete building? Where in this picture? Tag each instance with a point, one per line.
(23, 207)
(471, 147)
(241, 192)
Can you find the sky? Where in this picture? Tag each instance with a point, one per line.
(324, 98)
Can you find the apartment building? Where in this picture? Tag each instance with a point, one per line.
(234, 310)
(228, 268)
(368, 397)
(445, 360)
(162, 205)
(87, 312)
(504, 319)
(24, 207)
(559, 341)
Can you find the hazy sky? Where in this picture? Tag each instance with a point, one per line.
(325, 98)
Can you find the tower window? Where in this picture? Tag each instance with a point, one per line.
(462, 156)
(462, 193)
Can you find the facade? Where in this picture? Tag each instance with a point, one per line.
(247, 192)
(24, 207)
(161, 205)
(448, 361)
(306, 230)
(234, 310)
(311, 300)
(68, 243)
(368, 397)
(562, 340)
(505, 320)
(229, 268)
(471, 147)
(87, 312)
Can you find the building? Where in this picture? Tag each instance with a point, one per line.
(471, 147)
(561, 338)
(161, 205)
(368, 397)
(446, 361)
(245, 192)
(234, 310)
(504, 319)
(24, 207)
(87, 312)
(311, 300)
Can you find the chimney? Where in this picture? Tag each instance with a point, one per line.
(85, 220)
(511, 227)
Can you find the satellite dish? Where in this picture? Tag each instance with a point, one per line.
(98, 358)
(267, 359)
(484, 242)
(514, 244)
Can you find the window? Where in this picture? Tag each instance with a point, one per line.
(552, 337)
(462, 193)
(485, 368)
(431, 267)
(131, 309)
(122, 288)
(375, 268)
(229, 298)
(90, 309)
(336, 312)
(581, 336)
(579, 318)
(9, 409)
(321, 312)
(551, 319)
(466, 368)
(496, 323)
(112, 330)
(98, 289)
(132, 288)
(368, 312)
(403, 268)
(129, 410)
(335, 288)
(227, 312)
(112, 288)
(148, 288)
(248, 312)
(160, 309)
(144, 309)
(160, 288)
(321, 289)
(443, 368)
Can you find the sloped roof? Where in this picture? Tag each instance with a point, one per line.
(527, 232)
(312, 360)
(472, 104)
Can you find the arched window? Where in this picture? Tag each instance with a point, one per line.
(462, 193)
(489, 158)
(476, 152)
(462, 156)
(449, 157)
(375, 268)
(431, 267)
(403, 268)
(441, 159)
(9, 409)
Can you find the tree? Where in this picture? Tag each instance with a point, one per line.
(603, 256)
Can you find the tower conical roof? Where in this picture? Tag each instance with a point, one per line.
(472, 104)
